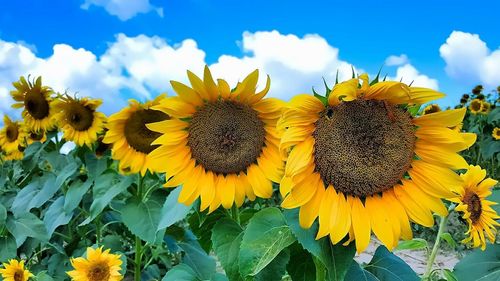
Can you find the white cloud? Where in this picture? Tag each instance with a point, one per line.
(124, 9)
(397, 60)
(469, 60)
(410, 75)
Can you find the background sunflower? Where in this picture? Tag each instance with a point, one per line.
(14, 271)
(12, 135)
(99, 265)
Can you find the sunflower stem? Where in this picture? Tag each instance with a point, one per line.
(435, 248)
(320, 270)
(138, 242)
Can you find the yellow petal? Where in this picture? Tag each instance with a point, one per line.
(306, 103)
(262, 187)
(310, 211)
(227, 187)
(346, 91)
(446, 118)
(341, 222)
(360, 223)
(198, 85)
(325, 212)
(424, 95)
(186, 93)
(380, 220)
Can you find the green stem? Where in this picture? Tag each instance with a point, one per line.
(138, 242)
(320, 270)
(236, 213)
(435, 248)
(98, 230)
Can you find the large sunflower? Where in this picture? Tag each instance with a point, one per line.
(129, 136)
(79, 120)
(361, 163)
(12, 135)
(476, 209)
(220, 144)
(98, 266)
(15, 271)
(37, 101)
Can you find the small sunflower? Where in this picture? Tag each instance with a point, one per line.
(486, 107)
(37, 101)
(361, 163)
(476, 106)
(130, 137)
(476, 209)
(98, 266)
(220, 144)
(496, 133)
(31, 135)
(79, 120)
(432, 108)
(12, 135)
(15, 271)
(14, 155)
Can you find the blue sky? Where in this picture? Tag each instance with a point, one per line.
(364, 33)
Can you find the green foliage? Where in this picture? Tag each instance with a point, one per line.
(480, 265)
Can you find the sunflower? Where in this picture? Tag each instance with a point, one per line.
(98, 266)
(476, 106)
(476, 209)
(220, 144)
(360, 162)
(130, 137)
(432, 108)
(496, 133)
(79, 120)
(14, 271)
(31, 135)
(11, 136)
(37, 101)
(486, 108)
(14, 155)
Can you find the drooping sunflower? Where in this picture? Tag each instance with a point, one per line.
(476, 106)
(431, 108)
(15, 271)
(12, 135)
(37, 101)
(361, 163)
(476, 209)
(130, 137)
(496, 133)
(79, 120)
(220, 144)
(98, 266)
(32, 135)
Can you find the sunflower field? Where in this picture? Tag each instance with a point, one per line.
(219, 182)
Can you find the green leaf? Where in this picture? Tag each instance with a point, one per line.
(226, 239)
(195, 257)
(113, 242)
(480, 265)
(27, 225)
(265, 237)
(489, 147)
(180, 272)
(323, 99)
(335, 258)
(8, 248)
(355, 272)
(495, 197)
(449, 239)
(172, 211)
(106, 187)
(95, 166)
(414, 244)
(56, 216)
(201, 224)
(301, 265)
(43, 276)
(141, 218)
(449, 275)
(3, 215)
(75, 193)
(275, 270)
(494, 116)
(388, 267)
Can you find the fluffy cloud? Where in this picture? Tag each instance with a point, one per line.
(468, 59)
(123, 9)
(397, 60)
(408, 74)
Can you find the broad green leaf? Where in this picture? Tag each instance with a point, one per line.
(172, 211)
(95, 166)
(141, 218)
(75, 193)
(388, 267)
(226, 239)
(8, 248)
(335, 258)
(26, 225)
(264, 238)
(180, 272)
(449, 275)
(24, 196)
(201, 224)
(56, 216)
(355, 272)
(449, 239)
(301, 265)
(43, 276)
(414, 244)
(195, 257)
(480, 265)
(489, 147)
(3, 215)
(276, 269)
(494, 116)
(495, 197)
(113, 242)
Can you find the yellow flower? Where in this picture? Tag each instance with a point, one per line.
(476, 106)
(496, 133)
(14, 155)
(11, 136)
(130, 137)
(486, 108)
(432, 108)
(39, 111)
(14, 271)
(476, 209)
(362, 163)
(98, 266)
(79, 120)
(220, 144)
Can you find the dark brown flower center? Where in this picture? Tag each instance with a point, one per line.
(363, 147)
(99, 272)
(79, 116)
(138, 136)
(12, 132)
(36, 104)
(36, 136)
(433, 108)
(19, 275)
(473, 206)
(475, 105)
(226, 137)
